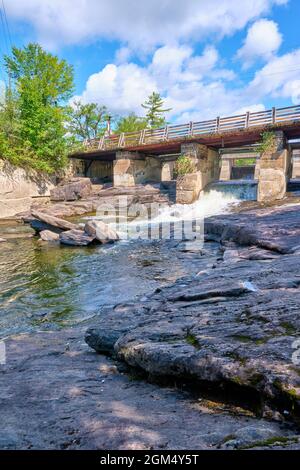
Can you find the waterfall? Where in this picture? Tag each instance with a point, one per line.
(244, 190)
(213, 201)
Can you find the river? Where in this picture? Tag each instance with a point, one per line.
(48, 286)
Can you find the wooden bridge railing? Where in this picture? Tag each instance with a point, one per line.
(194, 129)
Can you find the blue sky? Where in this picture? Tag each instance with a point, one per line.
(211, 58)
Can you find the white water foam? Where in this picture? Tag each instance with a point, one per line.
(208, 204)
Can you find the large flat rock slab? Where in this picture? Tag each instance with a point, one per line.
(56, 393)
(275, 228)
(235, 323)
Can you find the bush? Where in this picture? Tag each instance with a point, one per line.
(183, 166)
(267, 144)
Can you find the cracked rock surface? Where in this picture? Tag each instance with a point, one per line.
(236, 324)
(56, 393)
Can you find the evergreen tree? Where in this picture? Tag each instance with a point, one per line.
(155, 110)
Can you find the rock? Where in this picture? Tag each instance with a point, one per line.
(251, 437)
(75, 237)
(236, 324)
(100, 231)
(8, 441)
(2, 240)
(108, 196)
(48, 236)
(39, 226)
(57, 383)
(77, 188)
(191, 247)
(52, 221)
(217, 329)
(275, 229)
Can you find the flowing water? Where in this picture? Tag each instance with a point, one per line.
(243, 190)
(46, 286)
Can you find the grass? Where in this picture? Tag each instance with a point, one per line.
(280, 440)
(192, 340)
(289, 328)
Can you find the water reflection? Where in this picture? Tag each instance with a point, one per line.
(48, 286)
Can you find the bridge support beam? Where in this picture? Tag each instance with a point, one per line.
(226, 168)
(296, 164)
(257, 169)
(167, 170)
(274, 171)
(205, 161)
(131, 168)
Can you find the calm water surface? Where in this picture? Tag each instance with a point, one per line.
(46, 286)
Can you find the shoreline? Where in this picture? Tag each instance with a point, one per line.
(269, 427)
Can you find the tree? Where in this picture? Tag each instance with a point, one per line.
(42, 84)
(87, 121)
(130, 123)
(155, 111)
(9, 115)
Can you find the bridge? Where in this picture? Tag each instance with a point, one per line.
(150, 154)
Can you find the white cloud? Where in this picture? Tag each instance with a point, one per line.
(141, 24)
(279, 78)
(262, 41)
(193, 86)
(252, 109)
(123, 55)
(121, 88)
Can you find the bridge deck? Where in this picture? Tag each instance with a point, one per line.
(243, 129)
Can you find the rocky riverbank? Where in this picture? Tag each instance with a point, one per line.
(235, 324)
(56, 393)
(79, 197)
(210, 361)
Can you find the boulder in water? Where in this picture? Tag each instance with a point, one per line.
(100, 231)
(52, 221)
(49, 236)
(75, 237)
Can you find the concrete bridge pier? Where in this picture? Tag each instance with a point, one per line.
(274, 172)
(131, 168)
(257, 169)
(206, 163)
(167, 169)
(226, 168)
(296, 164)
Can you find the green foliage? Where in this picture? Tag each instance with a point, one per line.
(87, 121)
(245, 161)
(268, 143)
(183, 166)
(131, 123)
(155, 111)
(192, 340)
(35, 109)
